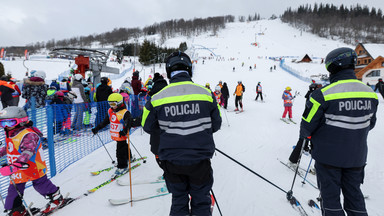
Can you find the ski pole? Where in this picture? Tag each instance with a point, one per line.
(144, 161)
(225, 113)
(129, 167)
(113, 162)
(2, 200)
(290, 192)
(21, 196)
(218, 207)
(306, 173)
(252, 171)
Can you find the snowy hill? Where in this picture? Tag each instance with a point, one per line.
(256, 137)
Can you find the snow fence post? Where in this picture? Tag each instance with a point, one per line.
(33, 110)
(51, 146)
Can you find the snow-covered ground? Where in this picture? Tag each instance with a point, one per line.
(256, 137)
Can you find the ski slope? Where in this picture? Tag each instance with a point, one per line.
(256, 137)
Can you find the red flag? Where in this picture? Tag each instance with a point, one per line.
(26, 54)
(2, 53)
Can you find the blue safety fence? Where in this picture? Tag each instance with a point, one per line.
(67, 135)
(293, 71)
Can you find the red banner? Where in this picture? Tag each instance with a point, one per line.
(26, 54)
(2, 53)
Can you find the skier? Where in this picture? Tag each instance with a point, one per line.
(35, 87)
(219, 96)
(101, 96)
(79, 102)
(312, 87)
(208, 86)
(186, 145)
(64, 86)
(16, 94)
(259, 91)
(6, 92)
(339, 134)
(225, 93)
(287, 97)
(120, 121)
(220, 84)
(239, 91)
(380, 86)
(26, 162)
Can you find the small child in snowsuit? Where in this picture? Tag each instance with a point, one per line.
(287, 97)
(120, 121)
(26, 162)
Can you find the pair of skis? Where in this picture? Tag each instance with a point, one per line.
(288, 121)
(300, 174)
(112, 167)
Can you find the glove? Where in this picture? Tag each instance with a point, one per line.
(94, 131)
(10, 169)
(122, 133)
(233, 94)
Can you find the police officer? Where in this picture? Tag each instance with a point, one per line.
(338, 117)
(187, 115)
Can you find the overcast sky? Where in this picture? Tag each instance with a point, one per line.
(28, 21)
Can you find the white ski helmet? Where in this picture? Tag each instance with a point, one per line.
(39, 73)
(78, 77)
(12, 116)
(218, 88)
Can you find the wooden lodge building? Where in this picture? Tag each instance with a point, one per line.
(370, 62)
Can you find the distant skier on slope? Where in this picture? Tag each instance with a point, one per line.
(259, 91)
(380, 86)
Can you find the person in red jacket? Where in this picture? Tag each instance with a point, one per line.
(16, 94)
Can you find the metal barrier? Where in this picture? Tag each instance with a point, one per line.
(67, 135)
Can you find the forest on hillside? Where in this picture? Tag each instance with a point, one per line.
(119, 36)
(353, 25)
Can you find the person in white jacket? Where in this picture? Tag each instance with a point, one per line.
(79, 102)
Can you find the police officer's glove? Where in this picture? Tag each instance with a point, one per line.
(122, 133)
(307, 146)
(94, 131)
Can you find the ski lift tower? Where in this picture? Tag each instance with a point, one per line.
(94, 60)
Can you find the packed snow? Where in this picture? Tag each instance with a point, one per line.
(256, 137)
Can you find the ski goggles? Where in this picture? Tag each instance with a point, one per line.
(112, 103)
(12, 122)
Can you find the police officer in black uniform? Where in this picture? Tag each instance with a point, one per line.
(187, 115)
(338, 117)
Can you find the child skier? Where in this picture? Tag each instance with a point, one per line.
(219, 96)
(120, 121)
(26, 162)
(287, 97)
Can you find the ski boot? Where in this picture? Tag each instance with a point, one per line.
(119, 172)
(56, 200)
(293, 165)
(19, 211)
